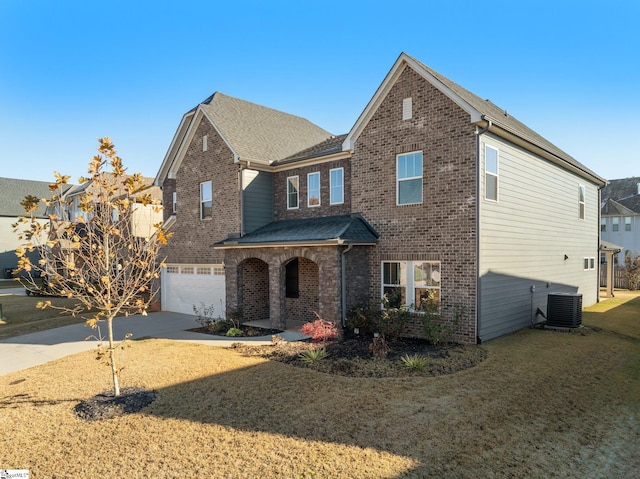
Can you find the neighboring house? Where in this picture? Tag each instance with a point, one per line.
(434, 193)
(620, 215)
(12, 193)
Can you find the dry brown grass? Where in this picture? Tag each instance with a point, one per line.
(544, 404)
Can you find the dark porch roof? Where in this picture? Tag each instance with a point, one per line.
(344, 229)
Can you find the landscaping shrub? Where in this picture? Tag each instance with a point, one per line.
(632, 272)
(320, 330)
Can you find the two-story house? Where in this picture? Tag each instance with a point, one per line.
(620, 215)
(434, 193)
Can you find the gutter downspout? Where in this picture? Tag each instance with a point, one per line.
(343, 284)
(478, 197)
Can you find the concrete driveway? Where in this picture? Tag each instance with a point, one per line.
(33, 349)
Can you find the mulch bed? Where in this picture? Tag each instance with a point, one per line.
(106, 405)
(247, 331)
(354, 358)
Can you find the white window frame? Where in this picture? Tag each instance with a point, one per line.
(204, 198)
(174, 202)
(336, 188)
(603, 224)
(399, 180)
(581, 201)
(627, 223)
(410, 282)
(491, 174)
(205, 143)
(315, 174)
(615, 223)
(589, 263)
(293, 194)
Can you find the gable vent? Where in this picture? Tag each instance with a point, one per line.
(407, 109)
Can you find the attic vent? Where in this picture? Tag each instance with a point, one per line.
(564, 310)
(407, 108)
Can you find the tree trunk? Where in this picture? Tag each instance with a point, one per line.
(112, 358)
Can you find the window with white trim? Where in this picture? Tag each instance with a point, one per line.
(174, 202)
(293, 201)
(589, 263)
(491, 164)
(615, 223)
(581, 195)
(313, 189)
(336, 186)
(412, 284)
(627, 223)
(205, 143)
(603, 224)
(206, 200)
(409, 178)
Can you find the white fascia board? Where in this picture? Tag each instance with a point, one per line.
(169, 155)
(398, 67)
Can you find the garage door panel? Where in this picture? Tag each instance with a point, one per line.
(186, 286)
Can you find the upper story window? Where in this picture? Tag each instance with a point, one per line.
(603, 224)
(581, 195)
(407, 109)
(336, 186)
(313, 189)
(174, 202)
(615, 223)
(293, 201)
(206, 200)
(491, 160)
(627, 223)
(205, 143)
(409, 178)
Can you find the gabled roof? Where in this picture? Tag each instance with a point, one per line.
(613, 208)
(621, 188)
(481, 112)
(13, 191)
(327, 147)
(253, 133)
(343, 229)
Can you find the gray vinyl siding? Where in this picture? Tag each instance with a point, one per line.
(257, 202)
(629, 240)
(524, 238)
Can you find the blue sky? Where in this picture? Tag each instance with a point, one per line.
(73, 71)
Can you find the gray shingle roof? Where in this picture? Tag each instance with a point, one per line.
(258, 133)
(326, 147)
(13, 191)
(621, 196)
(505, 120)
(344, 228)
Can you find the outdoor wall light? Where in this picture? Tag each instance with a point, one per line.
(566, 257)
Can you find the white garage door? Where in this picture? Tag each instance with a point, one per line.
(186, 285)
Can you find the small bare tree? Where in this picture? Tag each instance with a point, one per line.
(632, 271)
(97, 252)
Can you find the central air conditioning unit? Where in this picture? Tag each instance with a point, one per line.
(564, 310)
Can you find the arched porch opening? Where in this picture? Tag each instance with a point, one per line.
(301, 291)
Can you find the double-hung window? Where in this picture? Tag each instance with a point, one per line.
(206, 200)
(336, 186)
(581, 195)
(174, 202)
(409, 178)
(313, 189)
(603, 224)
(413, 284)
(615, 223)
(491, 160)
(627, 223)
(293, 200)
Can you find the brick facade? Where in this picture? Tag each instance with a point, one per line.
(193, 238)
(325, 209)
(443, 227)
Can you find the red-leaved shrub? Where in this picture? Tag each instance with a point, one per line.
(320, 330)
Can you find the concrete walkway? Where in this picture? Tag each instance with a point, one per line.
(33, 349)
